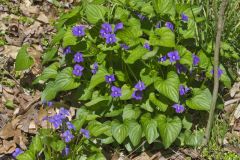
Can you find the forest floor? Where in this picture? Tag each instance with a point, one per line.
(20, 107)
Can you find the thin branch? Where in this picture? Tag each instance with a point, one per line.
(220, 26)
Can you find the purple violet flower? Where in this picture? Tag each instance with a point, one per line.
(64, 112)
(178, 108)
(140, 86)
(70, 126)
(67, 135)
(147, 46)
(56, 120)
(196, 59)
(111, 38)
(162, 59)
(95, 68)
(220, 72)
(77, 71)
(118, 26)
(78, 57)
(124, 46)
(17, 152)
(183, 90)
(65, 151)
(184, 17)
(50, 103)
(67, 50)
(78, 31)
(181, 68)
(169, 25)
(116, 92)
(107, 27)
(85, 133)
(174, 56)
(110, 78)
(137, 94)
(140, 16)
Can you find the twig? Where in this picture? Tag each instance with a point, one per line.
(220, 25)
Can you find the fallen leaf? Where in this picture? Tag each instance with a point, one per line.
(7, 131)
(11, 51)
(7, 147)
(237, 112)
(43, 18)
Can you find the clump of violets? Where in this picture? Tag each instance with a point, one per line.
(78, 57)
(17, 152)
(116, 92)
(178, 108)
(67, 135)
(220, 72)
(110, 78)
(78, 31)
(57, 119)
(173, 56)
(77, 70)
(85, 133)
(184, 17)
(107, 32)
(169, 25)
(67, 50)
(147, 46)
(138, 92)
(196, 59)
(94, 68)
(183, 90)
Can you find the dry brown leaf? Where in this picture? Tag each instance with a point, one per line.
(235, 88)
(43, 18)
(237, 112)
(7, 131)
(11, 51)
(27, 11)
(7, 147)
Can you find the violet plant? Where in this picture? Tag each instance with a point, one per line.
(134, 72)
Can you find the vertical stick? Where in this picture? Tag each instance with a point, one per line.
(220, 25)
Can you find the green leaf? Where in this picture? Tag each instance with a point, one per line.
(78, 123)
(151, 53)
(135, 132)
(49, 55)
(162, 37)
(96, 128)
(69, 39)
(49, 72)
(130, 35)
(136, 54)
(97, 100)
(120, 76)
(36, 145)
(50, 91)
(58, 145)
(126, 92)
(148, 76)
(23, 60)
(65, 80)
(186, 56)
(194, 138)
(121, 14)
(147, 106)
(95, 13)
(204, 60)
(201, 99)
(164, 7)
(28, 155)
(169, 87)
(119, 131)
(98, 78)
(225, 78)
(169, 129)
(149, 127)
(130, 113)
(161, 106)
(58, 37)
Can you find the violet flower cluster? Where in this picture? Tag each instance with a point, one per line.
(178, 108)
(17, 152)
(138, 92)
(108, 33)
(183, 90)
